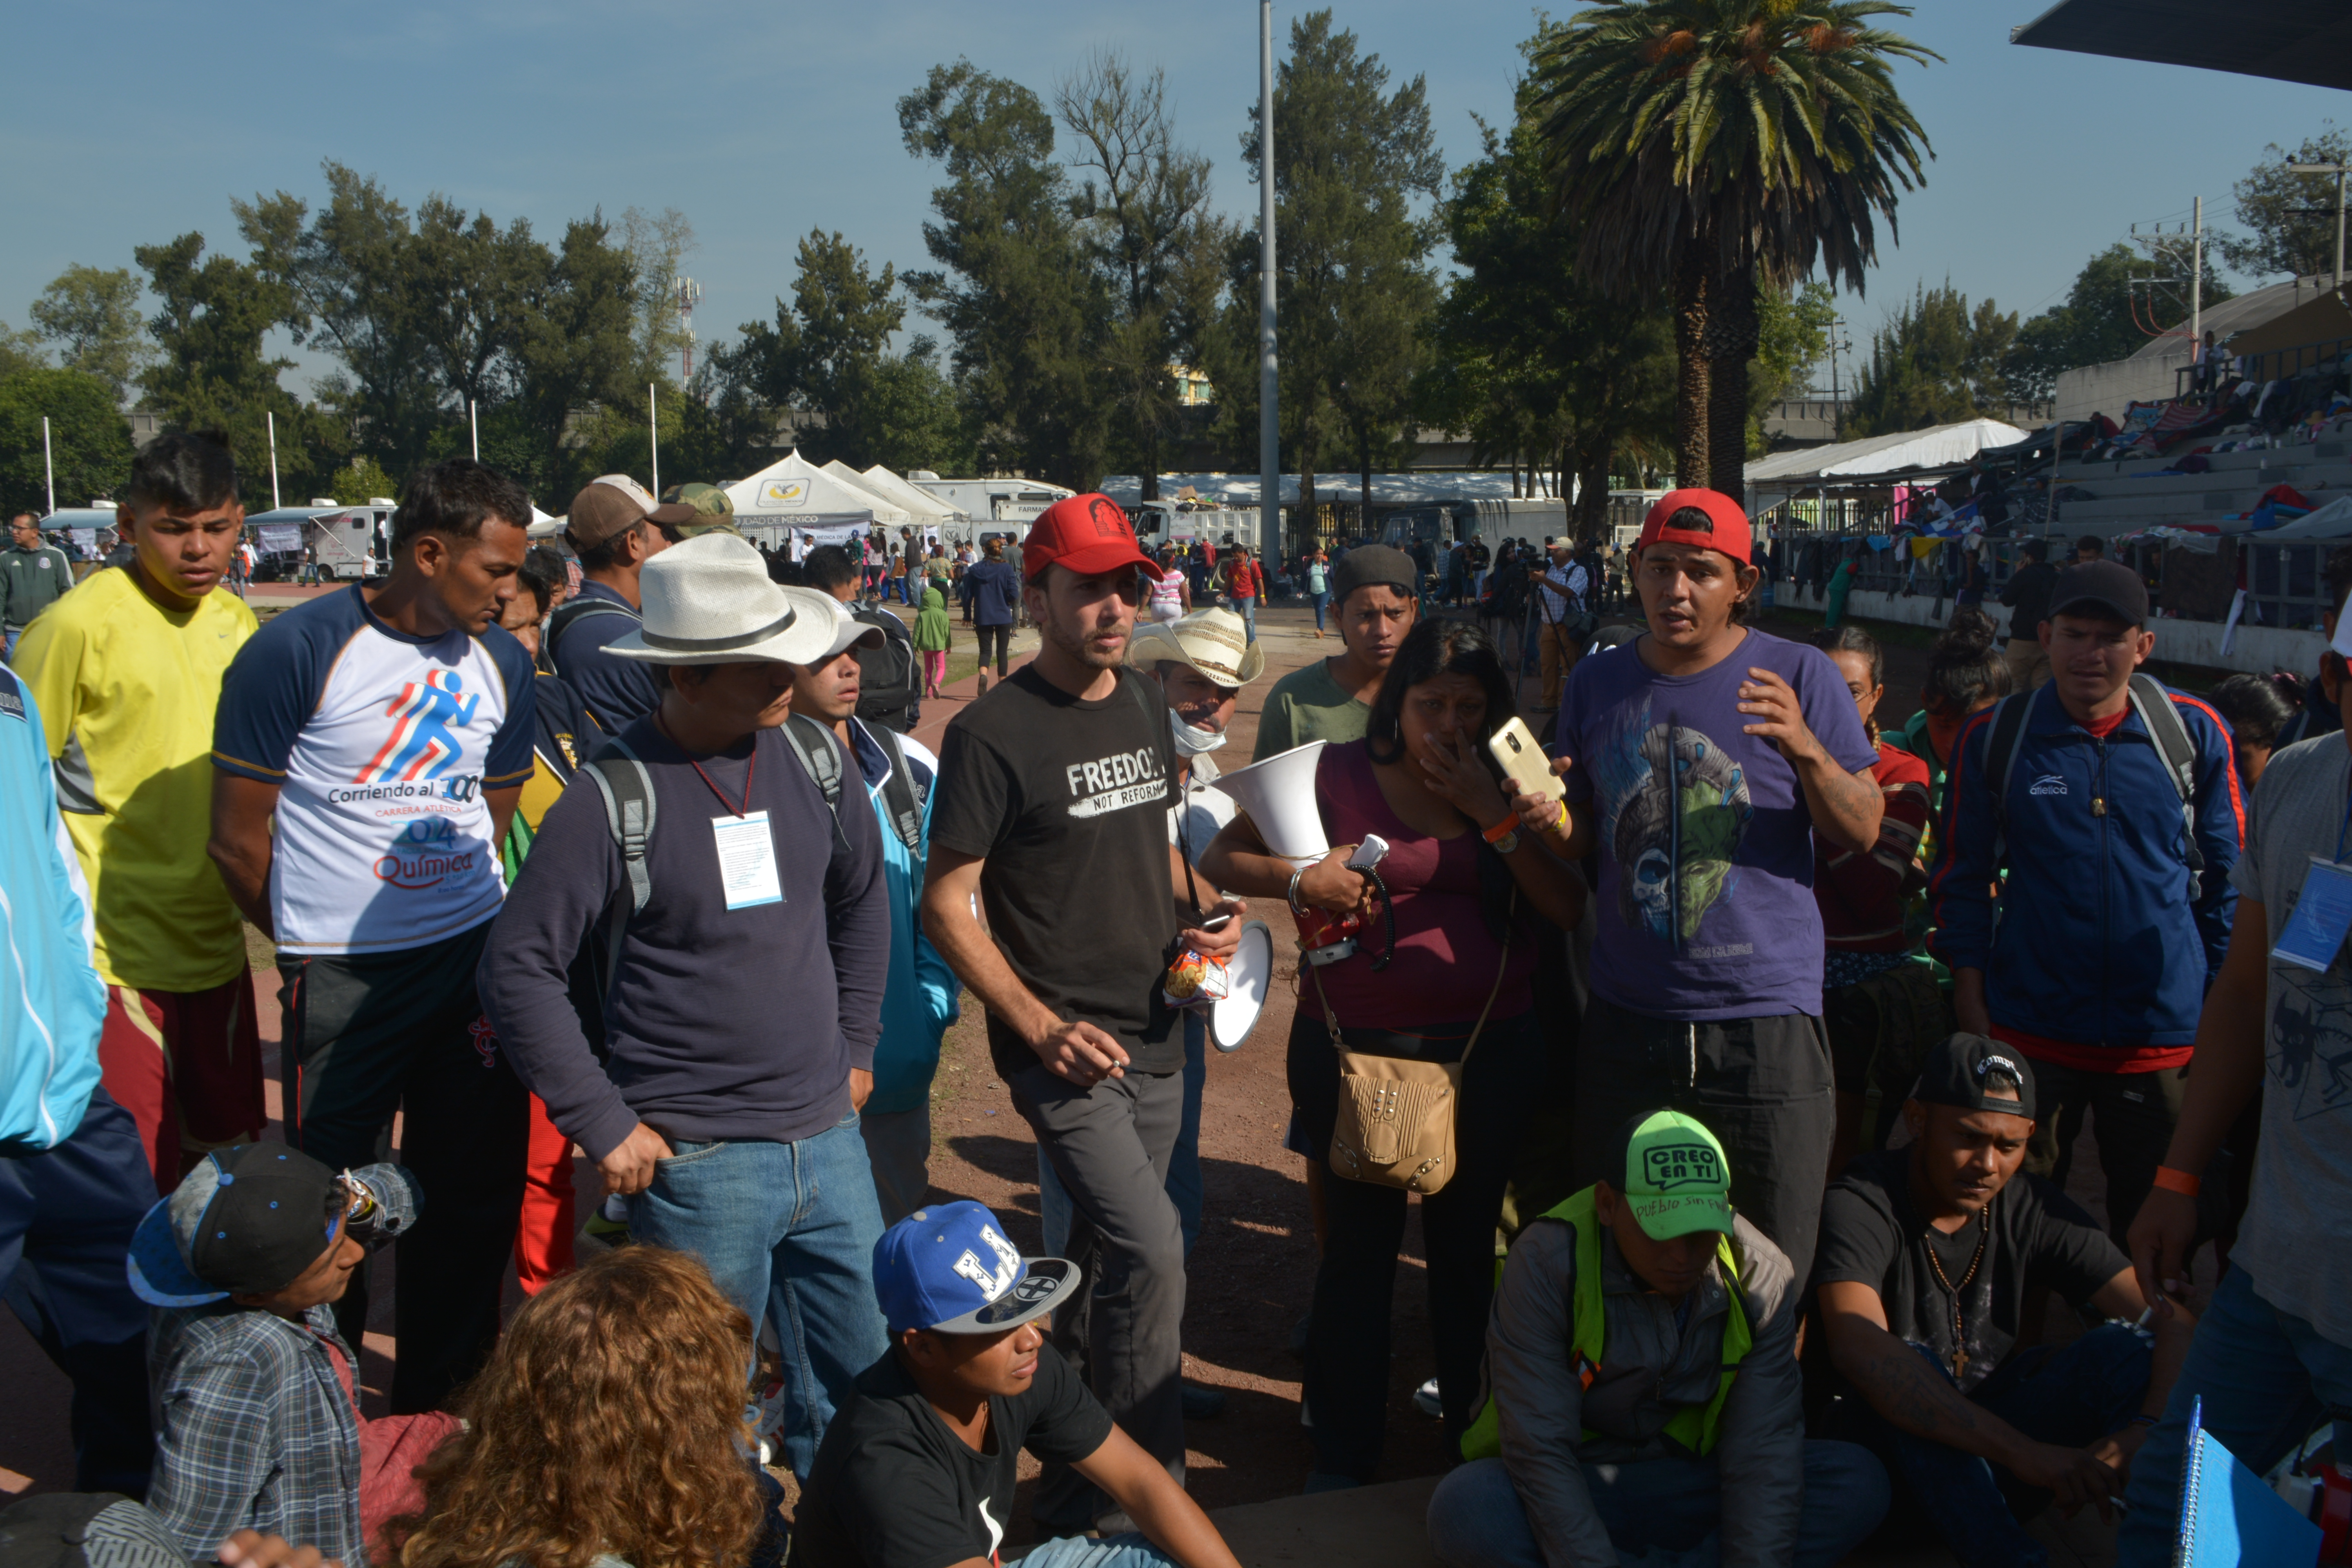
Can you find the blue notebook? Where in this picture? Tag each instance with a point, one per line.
(2227, 1517)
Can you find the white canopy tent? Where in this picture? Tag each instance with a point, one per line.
(795, 494)
(925, 506)
(1903, 451)
(2332, 520)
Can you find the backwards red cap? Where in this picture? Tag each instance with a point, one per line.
(1728, 530)
(1088, 534)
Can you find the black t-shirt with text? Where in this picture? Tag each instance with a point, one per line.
(1068, 800)
(893, 1487)
(1872, 1235)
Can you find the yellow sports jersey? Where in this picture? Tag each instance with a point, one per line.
(126, 692)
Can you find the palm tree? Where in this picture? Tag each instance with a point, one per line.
(1724, 144)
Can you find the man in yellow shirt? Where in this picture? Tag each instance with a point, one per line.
(127, 672)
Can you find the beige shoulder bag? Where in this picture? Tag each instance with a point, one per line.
(1395, 1126)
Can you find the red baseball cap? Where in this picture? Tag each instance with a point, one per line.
(1729, 531)
(1088, 534)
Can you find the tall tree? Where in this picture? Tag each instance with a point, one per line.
(577, 353)
(1934, 362)
(1728, 145)
(1355, 286)
(21, 351)
(92, 315)
(1792, 335)
(658, 243)
(2115, 305)
(212, 372)
(1023, 305)
(2291, 217)
(89, 440)
(1141, 211)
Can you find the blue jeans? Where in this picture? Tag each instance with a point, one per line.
(1249, 609)
(1668, 1508)
(66, 1219)
(1184, 1185)
(2071, 1395)
(1322, 600)
(787, 1231)
(1128, 1551)
(2267, 1378)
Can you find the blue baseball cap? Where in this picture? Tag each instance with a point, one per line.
(949, 1269)
(245, 1220)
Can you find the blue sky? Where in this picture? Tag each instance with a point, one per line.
(761, 121)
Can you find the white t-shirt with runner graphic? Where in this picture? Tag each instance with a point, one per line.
(383, 745)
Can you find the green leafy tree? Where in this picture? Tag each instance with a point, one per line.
(89, 439)
(576, 356)
(2290, 217)
(20, 350)
(92, 315)
(658, 243)
(212, 372)
(1355, 288)
(2110, 313)
(359, 481)
(1727, 146)
(1934, 362)
(1141, 214)
(1025, 307)
(1792, 337)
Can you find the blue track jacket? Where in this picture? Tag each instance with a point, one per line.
(2099, 936)
(920, 1001)
(52, 1001)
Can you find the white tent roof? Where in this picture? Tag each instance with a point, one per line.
(921, 503)
(795, 492)
(1940, 448)
(2332, 520)
(1239, 491)
(858, 484)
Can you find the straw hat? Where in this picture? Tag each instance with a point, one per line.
(707, 600)
(1214, 642)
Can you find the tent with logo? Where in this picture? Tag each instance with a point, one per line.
(796, 496)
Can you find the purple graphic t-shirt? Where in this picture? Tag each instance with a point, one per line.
(1705, 907)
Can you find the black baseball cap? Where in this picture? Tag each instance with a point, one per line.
(2100, 588)
(1367, 564)
(1959, 1070)
(246, 1220)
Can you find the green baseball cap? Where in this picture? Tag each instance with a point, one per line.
(1677, 1179)
(713, 513)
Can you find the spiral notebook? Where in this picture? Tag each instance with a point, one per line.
(2227, 1517)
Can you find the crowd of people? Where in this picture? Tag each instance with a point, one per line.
(1736, 1049)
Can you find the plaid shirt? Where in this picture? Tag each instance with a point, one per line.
(253, 1428)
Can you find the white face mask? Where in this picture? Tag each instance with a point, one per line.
(1191, 740)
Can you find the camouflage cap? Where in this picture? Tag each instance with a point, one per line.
(713, 513)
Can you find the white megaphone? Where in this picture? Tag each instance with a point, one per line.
(1279, 797)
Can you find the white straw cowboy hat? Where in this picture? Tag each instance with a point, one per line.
(707, 600)
(1214, 642)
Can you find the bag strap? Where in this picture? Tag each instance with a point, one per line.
(1331, 1019)
(1157, 713)
(898, 792)
(812, 743)
(2154, 705)
(630, 813)
(577, 610)
(2000, 761)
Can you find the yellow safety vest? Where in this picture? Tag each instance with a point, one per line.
(1692, 1427)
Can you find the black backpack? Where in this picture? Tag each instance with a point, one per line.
(890, 678)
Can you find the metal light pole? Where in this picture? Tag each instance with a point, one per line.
(2338, 171)
(272, 415)
(49, 464)
(2197, 280)
(473, 422)
(1269, 420)
(653, 421)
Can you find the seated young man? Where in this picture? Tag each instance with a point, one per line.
(257, 1423)
(917, 1467)
(1643, 1395)
(1928, 1253)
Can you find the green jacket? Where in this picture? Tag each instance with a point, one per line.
(30, 581)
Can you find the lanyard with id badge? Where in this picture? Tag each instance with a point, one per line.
(746, 850)
(2323, 911)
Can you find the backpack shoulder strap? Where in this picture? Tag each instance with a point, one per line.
(570, 614)
(900, 794)
(2000, 761)
(2178, 750)
(630, 811)
(812, 743)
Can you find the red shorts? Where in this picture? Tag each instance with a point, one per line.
(187, 1065)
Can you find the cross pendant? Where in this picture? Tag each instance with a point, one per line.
(1959, 1362)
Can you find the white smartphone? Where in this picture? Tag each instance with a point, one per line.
(1516, 751)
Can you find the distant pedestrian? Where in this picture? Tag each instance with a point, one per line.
(34, 575)
(614, 527)
(996, 595)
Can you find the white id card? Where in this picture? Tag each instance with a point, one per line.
(747, 860)
(2323, 914)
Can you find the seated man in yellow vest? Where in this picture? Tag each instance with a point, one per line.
(1642, 1395)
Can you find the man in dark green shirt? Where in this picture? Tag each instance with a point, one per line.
(33, 576)
(1331, 700)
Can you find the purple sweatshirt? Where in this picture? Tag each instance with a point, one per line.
(723, 1024)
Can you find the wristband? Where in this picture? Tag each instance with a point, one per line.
(2181, 1182)
(1501, 830)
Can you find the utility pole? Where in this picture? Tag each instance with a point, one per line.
(2337, 170)
(2196, 280)
(653, 427)
(272, 415)
(1838, 340)
(49, 464)
(1269, 418)
(688, 291)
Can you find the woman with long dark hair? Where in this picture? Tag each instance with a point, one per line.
(1443, 964)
